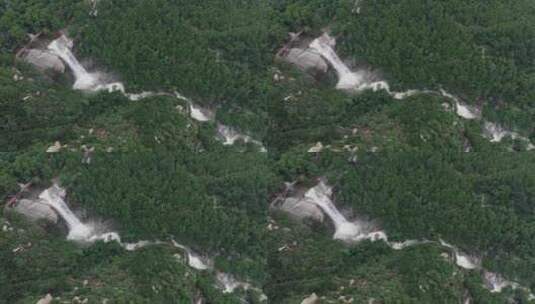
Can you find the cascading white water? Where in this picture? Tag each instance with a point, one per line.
(354, 232)
(349, 80)
(229, 136)
(81, 232)
(229, 283)
(496, 283)
(405, 244)
(406, 94)
(497, 133)
(344, 230)
(61, 47)
(92, 82)
(320, 195)
(78, 231)
(84, 80)
(194, 260)
(461, 259)
(357, 81)
(346, 78)
(198, 113)
(465, 112)
(138, 245)
(53, 196)
(462, 109)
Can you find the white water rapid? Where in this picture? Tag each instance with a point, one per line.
(347, 80)
(84, 80)
(359, 80)
(229, 283)
(352, 232)
(62, 48)
(230, 136)
(344, 230)
(403, 95)
(496, 283)
(84, 233)
(463, 110)
(461, 259)
(54, 196)
(199, 113)
(194, 259)
(92, 82)
(497, 133)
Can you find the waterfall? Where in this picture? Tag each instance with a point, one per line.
(229, 283)
(84, 80)
(61, 48)
(405, 244)
(81, 232)
(229, 137)
(347, 80)
(194, 260)
(359, 81)
(352, 232)
(198, 113)
(462, 109)
(53, 196)
(319, 195)
(92, 82)
(465, 112)
(461, 259)
(78, 231)
(497, 133)
(344, 230)
(403, 95)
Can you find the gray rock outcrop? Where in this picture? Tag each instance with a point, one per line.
(34, 210)
(301, 209)
(312, 299)
(307, 60)
(45, 300)
(42, 60)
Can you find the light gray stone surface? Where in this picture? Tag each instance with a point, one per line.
(307, 60)
(34, 210)
(43, 60)
(301, 209)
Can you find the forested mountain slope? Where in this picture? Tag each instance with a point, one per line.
(282, 151)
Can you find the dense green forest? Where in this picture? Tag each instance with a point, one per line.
(148, 170)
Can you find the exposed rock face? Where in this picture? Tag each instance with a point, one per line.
(56, 147)
(301, 209)
(43, 60)
(46, 300)
(307, 60)
(312, 299)
(34, 210)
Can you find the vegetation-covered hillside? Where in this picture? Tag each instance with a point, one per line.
(205, 164)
